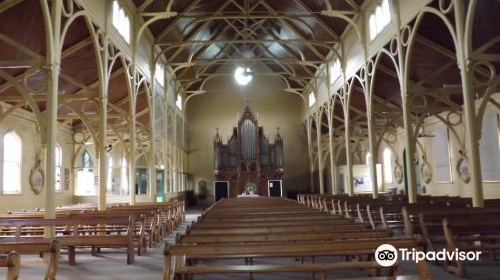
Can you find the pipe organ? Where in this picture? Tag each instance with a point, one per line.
(248, 160)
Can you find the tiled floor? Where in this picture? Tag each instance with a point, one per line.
(111, 265)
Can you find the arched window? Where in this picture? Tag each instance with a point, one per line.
(312, 99)
(178, 102)
(368, 158)
(334, 71)
(86, 160)
(58, 167)
(124, 176)
(121, 21)
(109, 180)
(373, 27)
(12, 156)
(386, 12)
(379, 19)
(388, 165)
(85, 183)
(160, 74)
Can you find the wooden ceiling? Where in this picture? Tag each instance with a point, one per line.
(283, 34)
(291, 37)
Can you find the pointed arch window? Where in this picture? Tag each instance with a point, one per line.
(379, 19)
(109, 179)
(387, 165)
(58, 168)
(85, 182)
(124, 176)
(334, 71)
(12, 157)
(121, 21)
(178, 102)
(160, 74)
(368, 158)
(312, 99)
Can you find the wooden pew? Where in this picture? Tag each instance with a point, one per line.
(12, 262)
(84, 232)
(470, 236)
(431, 222)
(234, 229)
(48, 247)
(184, 255)
(141, 235)
(280, 237)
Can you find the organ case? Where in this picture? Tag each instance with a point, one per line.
(248, 160)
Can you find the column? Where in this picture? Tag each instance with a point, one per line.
(132, 152)
(101, 146)
(373, 152)
(472, 129)
(51, 141)
(410, 152)
(52, 81)
(152, 166)
(320, 160)
(349, 175)
(333, 166)
(309, 148)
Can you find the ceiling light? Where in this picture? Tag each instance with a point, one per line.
(243, 76)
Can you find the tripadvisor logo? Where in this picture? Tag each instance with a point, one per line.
(386, 255)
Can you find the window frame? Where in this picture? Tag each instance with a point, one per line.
(387, 169)
(124, 175)
(87, 169)
(20, 157)
(160, 74)
(380, 17)
(448, 145)
(178, 102)
(58, 160)
(120, 20)
(336, 69)
(312, 99)
(496, 118)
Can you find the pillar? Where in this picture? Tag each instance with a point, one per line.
(374, 153)
(349, 175)
(333, 166)
(472, 131)
(320, 159)
(101, 146)
(309, 150)
(410, 151)
(51, 139)
(152, 166)
(52, 70)
(132, 152)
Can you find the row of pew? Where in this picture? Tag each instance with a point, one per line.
(448, 222)
(277, 235)
(132, 227)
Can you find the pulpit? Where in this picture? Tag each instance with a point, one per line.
(248, 161)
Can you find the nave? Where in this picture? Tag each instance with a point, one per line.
(277, 238)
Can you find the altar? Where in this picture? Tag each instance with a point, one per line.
(248, 162)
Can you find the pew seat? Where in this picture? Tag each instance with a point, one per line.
(97, 235)
(48, 247)
(183, 256)
(470, 236)
(12, 262)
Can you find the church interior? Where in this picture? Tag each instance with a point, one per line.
(249, 139)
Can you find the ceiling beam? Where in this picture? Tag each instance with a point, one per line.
(7, 4)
